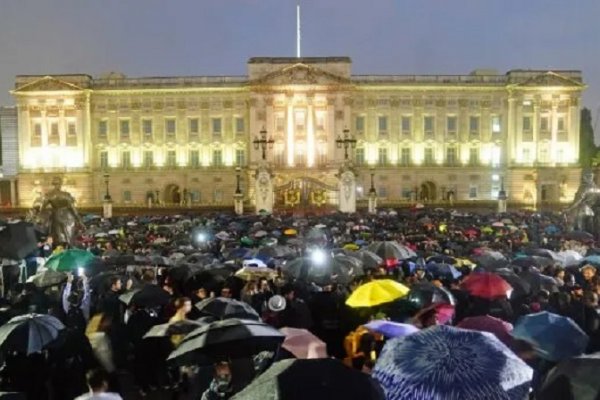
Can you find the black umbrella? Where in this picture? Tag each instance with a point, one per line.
(47, 278)
(316, 379)
(369, 259)
(322, 270)
(521, 287)
(17, 240)
(390, 250)
(574, 378)
(173, 328)
(425, 293)
(225, 308)
(580, 236)
(532, 261)
(232, 338)
(148, 296)
(29, 333)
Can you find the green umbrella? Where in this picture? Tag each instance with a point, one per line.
(70, 260)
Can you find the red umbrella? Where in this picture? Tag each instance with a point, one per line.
(443, 313)
(486, 285)
(486, 323)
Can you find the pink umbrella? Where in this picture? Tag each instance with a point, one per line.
(486, 323)
(303, 344)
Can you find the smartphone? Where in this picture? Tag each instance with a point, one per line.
(80, 271)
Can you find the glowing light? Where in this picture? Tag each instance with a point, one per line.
(318, 257)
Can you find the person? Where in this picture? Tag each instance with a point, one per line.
(221, 385)
(63, 217)
(75, 304)
(97, 381)
(296, 313)
(183, 306)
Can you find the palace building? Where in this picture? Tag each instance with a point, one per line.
(429, 138)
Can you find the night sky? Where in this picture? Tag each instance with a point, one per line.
(216, 37)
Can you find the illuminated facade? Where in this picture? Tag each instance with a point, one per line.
(431, 138)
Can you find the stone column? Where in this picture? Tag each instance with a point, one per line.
(291, 152)
(310, 134)
(13, 192)
(511, 157)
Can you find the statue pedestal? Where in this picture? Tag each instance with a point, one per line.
(502, 202)
(372, 202)
(107, 208)
(347, 192)
(238, 203)
(263, 193)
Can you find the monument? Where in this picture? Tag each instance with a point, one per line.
(62, 218)
(584, 213)
(264, 195)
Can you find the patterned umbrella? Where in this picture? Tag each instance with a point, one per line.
(553, 336)
(444, 362)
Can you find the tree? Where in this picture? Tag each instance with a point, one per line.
(587, 147)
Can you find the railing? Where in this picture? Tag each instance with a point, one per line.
(169, 82)
(456, 79)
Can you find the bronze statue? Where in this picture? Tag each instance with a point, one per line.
(62, 218)
(584, 213)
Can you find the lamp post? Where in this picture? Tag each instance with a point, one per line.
(107, 204)
(346, 141)
(262, 142)
(372, 194)
(238, 196)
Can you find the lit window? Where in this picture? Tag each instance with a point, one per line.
(194, 158)
(472, 192)
(124, 128)
(451, 125)
(360, 156)
(383, 124)
(194, 126)
(406, 125)
(216, 126)
(496, 127)
(240, 158)
(217, 158)
(544, 124)
(527, 124)
(147, 128)
(239, 125)
(360, 123)
(102, 129)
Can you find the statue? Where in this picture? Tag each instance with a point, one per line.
(347, 190)
(62, 217)
(264, 196)
(583, 214)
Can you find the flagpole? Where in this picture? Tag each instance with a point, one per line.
(298, 30)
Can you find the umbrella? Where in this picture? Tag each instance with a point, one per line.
(424, 294)
(521, 287)
(444, 362)
(486, 285)
(580, 236)
(573, 379)
(318, 379)
(250, 273)
(254, 262)
(486, 323)
(276, 251)
(376, 292)
(29, 333)
(321, 269)
(539, 281)
(390, 251)
(171, 329)
(553, 336)
(70, 260)
(443, 271)
(369, 259)
(225, 308)
(149, 296)
(442, 259)
(17, 240)
(391, 329)
(532, 261)
(233, 338)
(303, 344)
(47, 278)
(443, 312)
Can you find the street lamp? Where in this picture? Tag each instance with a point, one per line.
(238, 190)
(261, 142)
(346, 142)
(106, 182)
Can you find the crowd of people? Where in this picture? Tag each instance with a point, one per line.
(132, 292)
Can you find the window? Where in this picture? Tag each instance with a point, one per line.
(37, 130)
(147, 128)
(126, 196)
(496, 125)
(560, 122)
(279, 123)
(126, 159)
(171, 158)
(216, 126)
(451, 125)
(405, 156)
(406, 193)
(124, 128)
(474, 125)
(360, 156)
(240, 158)
(360, 124)
(406, 125)
(544, 155)
(382, 124)
(383, 156)
(474, 156)
(104, 159)
(54, 129)
(526, 155)
(194, 127)
(102, 129)
(217, 158)
(71, 128)
(240, 126)
(451, 156)
(472, 192)
(544, 124)
(428, 156)
(320, 121)
(527, 124)
(382, 191)
(194, 158)
(170, 128)
(428, 122)
(300, 121)
(195, 196)
(148, 158)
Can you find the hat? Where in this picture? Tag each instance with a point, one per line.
(276, 303)
(588, 266)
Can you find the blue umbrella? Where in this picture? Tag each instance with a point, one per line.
(553, 336)
(444, 362)
(443, 270)
(593, 259)
(391, 329)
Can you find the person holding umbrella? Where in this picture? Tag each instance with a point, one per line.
(76, 304)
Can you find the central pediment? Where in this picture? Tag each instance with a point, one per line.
(47, 83)
(300, 74)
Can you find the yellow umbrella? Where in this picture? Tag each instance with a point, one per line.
(290, 232)
(351, 246)
(376, 292)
